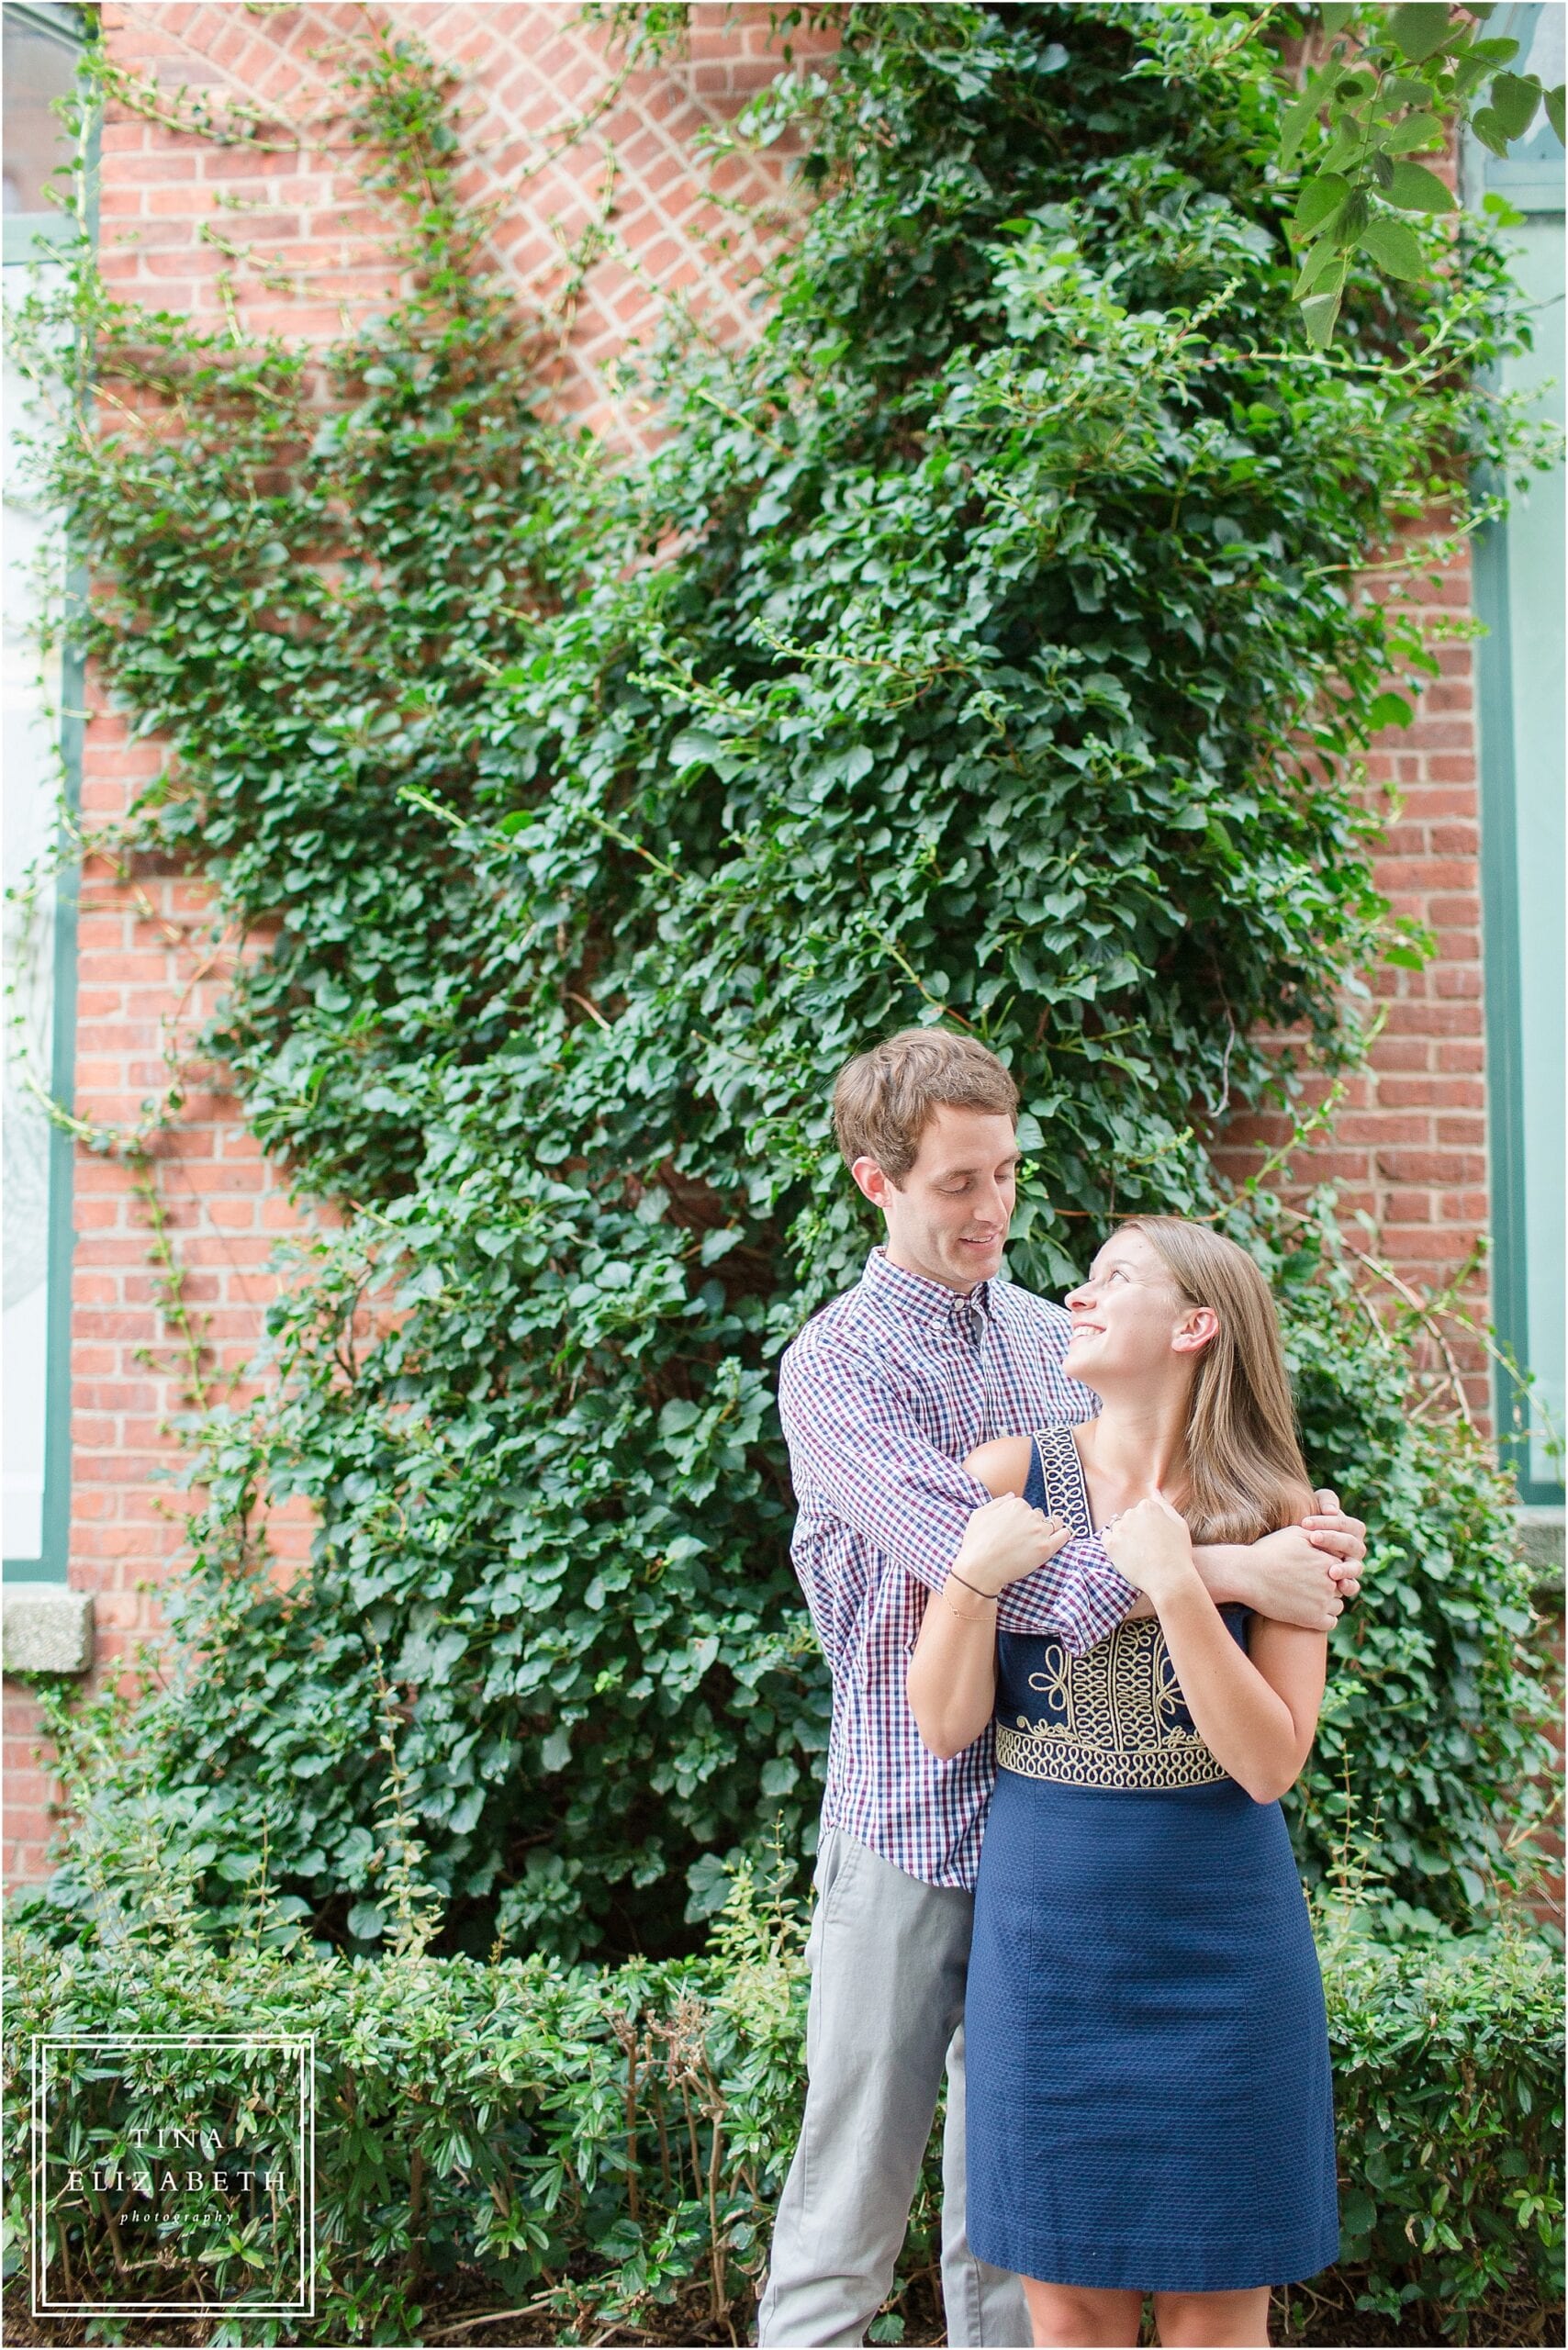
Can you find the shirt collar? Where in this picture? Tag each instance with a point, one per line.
(911, 1297)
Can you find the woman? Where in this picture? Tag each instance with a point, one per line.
(1150, 2105)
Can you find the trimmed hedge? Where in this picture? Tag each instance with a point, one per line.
(592, 2148)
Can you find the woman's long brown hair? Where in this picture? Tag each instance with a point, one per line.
(1245, 1471)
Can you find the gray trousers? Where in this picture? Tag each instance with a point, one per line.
(887, 1956)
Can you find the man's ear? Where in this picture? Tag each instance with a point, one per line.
(1198, 1327)
(871, 1180)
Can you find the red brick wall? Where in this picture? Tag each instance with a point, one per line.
(1409, 1144)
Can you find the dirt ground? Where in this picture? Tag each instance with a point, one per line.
(462, 2313)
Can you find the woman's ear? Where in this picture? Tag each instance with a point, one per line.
(1194, 1330)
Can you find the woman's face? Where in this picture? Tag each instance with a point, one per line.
(1129, 1316)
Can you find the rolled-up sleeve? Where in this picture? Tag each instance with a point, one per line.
(858, 1450)
(1101, 1595)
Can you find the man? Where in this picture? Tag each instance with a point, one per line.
(881, 1396)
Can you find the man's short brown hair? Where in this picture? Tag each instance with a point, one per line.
(885, 1099)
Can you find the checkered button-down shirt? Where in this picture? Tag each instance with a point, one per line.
(881, 1395)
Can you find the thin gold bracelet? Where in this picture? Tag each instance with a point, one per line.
(957, 1612)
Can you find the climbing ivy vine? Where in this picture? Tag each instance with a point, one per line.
(981, 644)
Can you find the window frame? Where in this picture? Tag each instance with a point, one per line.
(1531, 179)
(32, 237)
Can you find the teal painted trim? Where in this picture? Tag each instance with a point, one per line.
(1505, 1071)
(54, 1555)
(1532, 184)
(34, 236)
(1532, 180)
(64, 22)
(52, 1565)
(1499, 917)
(62, 1085)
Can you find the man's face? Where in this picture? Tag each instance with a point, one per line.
(948, 1220)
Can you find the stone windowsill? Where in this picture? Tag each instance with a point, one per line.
(47, 1628)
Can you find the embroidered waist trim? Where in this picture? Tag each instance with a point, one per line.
(1046, 1751)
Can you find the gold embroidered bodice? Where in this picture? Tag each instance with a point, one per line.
(1113, 1716)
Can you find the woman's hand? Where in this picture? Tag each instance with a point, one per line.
(1005, 1540)
(1150, 1545)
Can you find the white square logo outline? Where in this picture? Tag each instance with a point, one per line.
(299, 2045)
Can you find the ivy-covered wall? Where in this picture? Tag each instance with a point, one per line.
(567, 879)
(276, 231)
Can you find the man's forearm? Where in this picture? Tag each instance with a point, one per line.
(1282, 1576)
(1227, 1572)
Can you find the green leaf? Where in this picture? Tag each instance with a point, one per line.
(1336, 15)
(1515, 100)
(1299, 117)
(1319, 199)
(1417, 130)
(1322, 261)
(1472, 66)
(1317, 315)
(1420, 29)
(1349, 136)
(1389, 710)
(710, 1882)
(1554, 110)
(1416, 189)
(695, 749)
(1491, 129)
(1358, 2214)
(1348, 221)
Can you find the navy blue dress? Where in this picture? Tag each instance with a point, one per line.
(1146, 2046)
